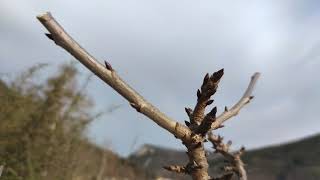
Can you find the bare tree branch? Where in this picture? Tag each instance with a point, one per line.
(247, 96)
(193, 134)
(237, 165)
(108, 75)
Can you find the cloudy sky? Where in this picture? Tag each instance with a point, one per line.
(164, 48)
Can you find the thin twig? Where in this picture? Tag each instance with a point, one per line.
(237, 166)
(245, 99)
(108, 75)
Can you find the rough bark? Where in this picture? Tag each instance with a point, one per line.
(193, 134)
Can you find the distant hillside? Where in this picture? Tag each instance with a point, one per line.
(297, 160)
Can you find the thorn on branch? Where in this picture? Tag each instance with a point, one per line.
(226, 109)
(108, 66)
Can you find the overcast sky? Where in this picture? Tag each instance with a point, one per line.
(164, 48)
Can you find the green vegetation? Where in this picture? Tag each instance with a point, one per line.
(41, 130)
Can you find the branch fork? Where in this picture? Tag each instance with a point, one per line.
(193, 134)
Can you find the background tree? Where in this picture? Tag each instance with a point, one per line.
(194, 133)
(42, 125)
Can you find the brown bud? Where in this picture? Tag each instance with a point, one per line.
(108, 66)
(209, 102)
(215, 77)
(49, 36)
(213, 112)
(205, 79)
(198, 93)
(188, 111)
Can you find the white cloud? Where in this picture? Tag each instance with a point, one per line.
(163, 49)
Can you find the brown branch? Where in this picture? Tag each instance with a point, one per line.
(208, 88)
(108, 75)
(237, 166)
(200, 124)
(192, 134)
(247, 96)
